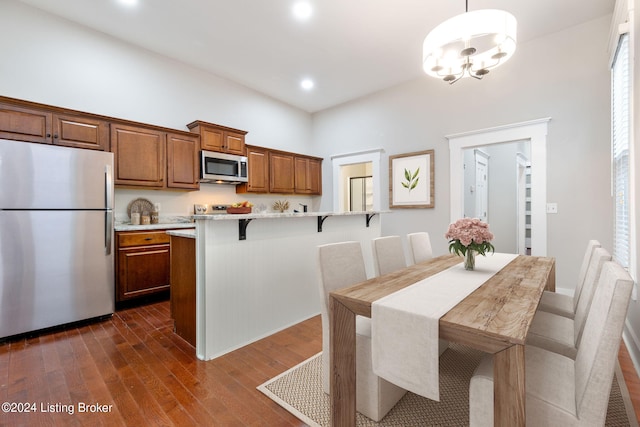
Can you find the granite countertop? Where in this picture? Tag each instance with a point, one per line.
(164, 223)
(188, 233)
(221, 217)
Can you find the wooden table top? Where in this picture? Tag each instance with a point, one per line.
(495, 316)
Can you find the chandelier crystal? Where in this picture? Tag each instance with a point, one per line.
(469, 45)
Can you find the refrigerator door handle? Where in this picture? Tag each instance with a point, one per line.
(108, 231)
(108, 187)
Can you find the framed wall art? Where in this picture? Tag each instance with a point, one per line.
(411, 180)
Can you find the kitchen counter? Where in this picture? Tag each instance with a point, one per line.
(165, 223)
(189, 233)
(267, 215)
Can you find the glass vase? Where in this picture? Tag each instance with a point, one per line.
(470, 260)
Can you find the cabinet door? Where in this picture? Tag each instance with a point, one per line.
(301, 175)
(308, 175)
(25, 124)
(314, 177)
(281, 173)
(234, 143)
(212, 139)
(80, 132)
(138, 156)
(182, 162)
(142, 271)
(258, 164)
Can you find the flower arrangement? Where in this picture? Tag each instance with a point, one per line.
(469, 234)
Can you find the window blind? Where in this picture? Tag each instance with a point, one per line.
(620, 109)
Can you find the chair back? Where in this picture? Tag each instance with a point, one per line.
(586, 260)
(388, 254)
(339, 265)
(420, 245)
(598, 351)
(591, 279)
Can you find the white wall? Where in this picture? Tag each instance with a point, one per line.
(563, 76)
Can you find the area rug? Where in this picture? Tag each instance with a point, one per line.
(299, 391)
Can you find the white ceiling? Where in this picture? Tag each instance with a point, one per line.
(349, 47)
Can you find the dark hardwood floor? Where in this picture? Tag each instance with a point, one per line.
(140, 373)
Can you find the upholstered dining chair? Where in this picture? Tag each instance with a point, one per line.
(565, 305)
(561, 334)
(388, 254)
(420, 245)
(561, 391)
(341, 265)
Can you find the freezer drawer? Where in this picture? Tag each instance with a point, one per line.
(55, 268)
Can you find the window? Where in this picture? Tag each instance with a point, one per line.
(620, 125)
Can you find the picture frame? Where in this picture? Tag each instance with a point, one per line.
(412, 180)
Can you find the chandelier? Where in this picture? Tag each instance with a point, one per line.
(469, 45)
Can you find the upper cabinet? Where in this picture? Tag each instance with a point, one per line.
(258, 168)
(151, 157)
(308, 175)
(182, 161)
(281, 172)
(219, 138)
(50, 126)
(138, 155)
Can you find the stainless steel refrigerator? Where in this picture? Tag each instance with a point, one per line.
(56, 236)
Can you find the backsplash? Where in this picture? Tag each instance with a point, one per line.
(179, 203)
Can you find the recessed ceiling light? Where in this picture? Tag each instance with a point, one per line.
(302, 10)
(307, 84)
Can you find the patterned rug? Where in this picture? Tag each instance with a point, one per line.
(299, 391)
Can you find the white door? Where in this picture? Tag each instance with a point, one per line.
(482, 185)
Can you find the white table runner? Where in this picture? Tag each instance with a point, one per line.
(404, 325)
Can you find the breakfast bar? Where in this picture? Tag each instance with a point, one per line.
(256, 273)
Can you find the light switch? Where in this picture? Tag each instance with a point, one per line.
(552, 208)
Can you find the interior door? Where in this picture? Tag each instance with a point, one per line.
(482, 185)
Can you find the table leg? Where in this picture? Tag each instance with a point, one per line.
(508, 387)
(342, 326)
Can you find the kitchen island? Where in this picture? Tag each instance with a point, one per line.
(256, 274)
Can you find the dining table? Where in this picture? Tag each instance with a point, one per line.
(495, 318)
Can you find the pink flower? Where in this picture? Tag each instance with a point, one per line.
(469, 233)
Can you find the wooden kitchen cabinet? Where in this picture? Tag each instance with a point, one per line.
(152, 158)
(219, 138)
(273, 171)
(182, 161)
(308, 175)
(142, 263)
(258, 168)
(281, 169)
(50, 126)
(183, 287)
(138, 155)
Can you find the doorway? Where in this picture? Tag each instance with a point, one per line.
(345, 166)
(535, 132)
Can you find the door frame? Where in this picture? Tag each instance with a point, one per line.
(536, 132)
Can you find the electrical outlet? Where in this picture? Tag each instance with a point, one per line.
(552, 208)
(200, 209)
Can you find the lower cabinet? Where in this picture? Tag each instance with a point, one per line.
(183, 287)
(142, 263)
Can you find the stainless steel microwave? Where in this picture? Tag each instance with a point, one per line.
(221, 168)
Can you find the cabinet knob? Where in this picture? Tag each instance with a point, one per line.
(55, 136)
(48, 135)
